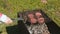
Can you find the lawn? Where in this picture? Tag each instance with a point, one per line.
(12, 7)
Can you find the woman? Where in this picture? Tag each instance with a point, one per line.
(41, 21)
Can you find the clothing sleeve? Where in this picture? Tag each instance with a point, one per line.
(5, 19)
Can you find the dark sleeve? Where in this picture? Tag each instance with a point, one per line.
(20, 28)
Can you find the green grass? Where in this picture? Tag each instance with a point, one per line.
(12, 7)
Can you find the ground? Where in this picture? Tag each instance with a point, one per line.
(12, 7)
